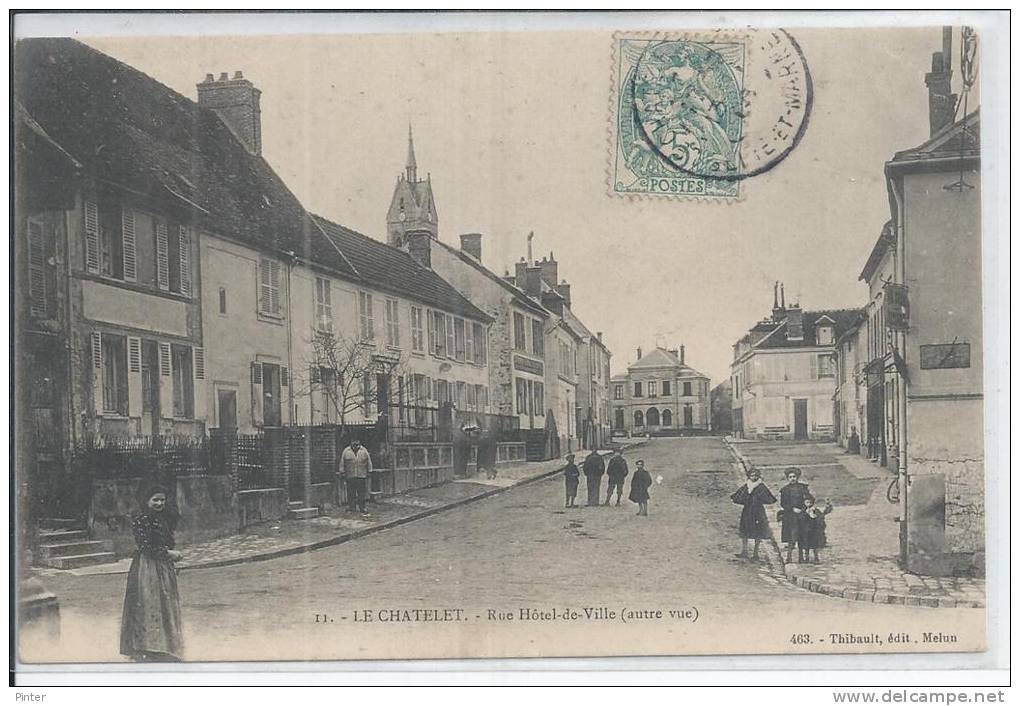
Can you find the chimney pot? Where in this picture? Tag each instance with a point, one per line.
(639, 353)
(682, 354)
(237, 104)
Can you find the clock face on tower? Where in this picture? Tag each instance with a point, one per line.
(403, 216)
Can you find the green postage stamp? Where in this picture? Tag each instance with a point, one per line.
(694, 115)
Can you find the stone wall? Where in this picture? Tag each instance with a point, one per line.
(208, 509)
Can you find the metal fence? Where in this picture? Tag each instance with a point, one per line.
(162, 458)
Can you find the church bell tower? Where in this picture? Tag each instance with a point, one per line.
(413, 207)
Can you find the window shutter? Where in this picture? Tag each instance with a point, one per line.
(256, 394)
(162, 256)
(431, 331)
(274, 287)
(814, 367)
(36, 268)
(91, 237)
(166, 382)
(198, 366)
(134, 376)
(185, 251)
(97, 372)
(127, 222)
(469, 341)
(284, 376)
(315, 375)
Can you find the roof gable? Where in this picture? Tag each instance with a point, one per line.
(394, 270)
(658, 358)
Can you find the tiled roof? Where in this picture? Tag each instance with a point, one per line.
(842, 319)
(394, 270)
(662, 358)
(128, 129)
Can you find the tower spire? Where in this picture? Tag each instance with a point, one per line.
(412, 165)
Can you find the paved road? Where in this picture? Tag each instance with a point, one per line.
(520, 548)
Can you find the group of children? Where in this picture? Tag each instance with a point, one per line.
(802, 519)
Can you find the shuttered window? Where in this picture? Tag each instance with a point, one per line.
(114, 363)
(162, 256)
(393, 323)
(323, 305)
(451, 337)
(129, 246)
(537, 338)
(183, 381)
(269, 287)
(480, 344)
(417, 334)
(91, 223)
(469, 344)
(365, 318)
(439, 324)
(459, 345)
(38, 300)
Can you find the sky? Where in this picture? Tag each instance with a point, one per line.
(514, 130)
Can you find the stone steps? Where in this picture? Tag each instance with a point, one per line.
(62, 536)
(79, 560)
(302, 513)
(76, 548)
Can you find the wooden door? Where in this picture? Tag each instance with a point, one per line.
(800, 421)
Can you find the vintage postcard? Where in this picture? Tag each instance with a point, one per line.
(348, 345)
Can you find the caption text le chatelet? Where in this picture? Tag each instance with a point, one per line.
(509, 615)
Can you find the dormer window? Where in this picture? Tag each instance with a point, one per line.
(825, 335)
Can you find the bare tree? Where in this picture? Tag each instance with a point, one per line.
(343, 373)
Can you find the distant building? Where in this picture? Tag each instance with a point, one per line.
(784, 372)
(660, 394)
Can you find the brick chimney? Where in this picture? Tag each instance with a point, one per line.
(550, 270)
(236, 101)
(471, 243)
(419, 246)
(639, 353)
(563, 289)
(795, 323)
(941, 99)
(682, 354)
(519, 269)
(533, 282)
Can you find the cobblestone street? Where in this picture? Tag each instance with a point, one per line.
(520, 548)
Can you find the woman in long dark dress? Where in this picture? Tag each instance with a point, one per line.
(640, 482)
(754, 495)
(791, 499)
(150, 629)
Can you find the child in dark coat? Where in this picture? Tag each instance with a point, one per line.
(570, 478)
(812, 528)
(754, 523)
(640, 482)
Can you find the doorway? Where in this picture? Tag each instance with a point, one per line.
(688, 416)
(226, 408)
(800, 430)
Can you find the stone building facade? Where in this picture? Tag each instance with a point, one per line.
(661, 394)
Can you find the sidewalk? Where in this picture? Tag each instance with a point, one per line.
(278, 538)
(861, 560)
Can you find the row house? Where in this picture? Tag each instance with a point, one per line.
(783, 372)
(431, 342)
(517, 367)
(581, 353)
(661, 394)
(177, 284)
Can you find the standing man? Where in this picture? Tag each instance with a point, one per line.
(355, 465)
(616, 471)
(571, 476)
(594, 467)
